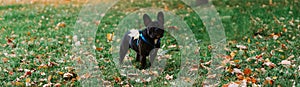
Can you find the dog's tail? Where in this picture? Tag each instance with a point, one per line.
(124, 47)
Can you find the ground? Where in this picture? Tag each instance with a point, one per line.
(37, 42)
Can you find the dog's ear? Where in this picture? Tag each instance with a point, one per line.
(160, 18)
(147, 19)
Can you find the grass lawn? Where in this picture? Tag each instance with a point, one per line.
(262, 49)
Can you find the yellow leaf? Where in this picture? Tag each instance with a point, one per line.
(19, 84)
(249, 40)
(232, 54)
(166, 8)
(110, 49)
(236, 61)
(109, 36)
(274, 77)
(282, 57)
(27, 79)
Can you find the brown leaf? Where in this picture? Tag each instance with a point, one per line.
(173, 27)
(258, 57)
(283, 46)
(253, 80)
(10, 72)
(180, 6)
(9, 40)
(166, 8)
(57, 85)
(268, 81)
(97, 22)
(270, 64)
(248, 79)
(240, 76)
(61, 25)
(117, 79)
(99, 48)
(275, 36)
(49, 78)
(86, 75)
(225, 85)
(232, 84)
(194, 68)
(284, 29)
(209, 47)
(236, 61)
(28, 33)
(186, 79)
(247, 71)
(5, 60)
(28, 73)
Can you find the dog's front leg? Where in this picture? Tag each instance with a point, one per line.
(137, 57)
(143, 62)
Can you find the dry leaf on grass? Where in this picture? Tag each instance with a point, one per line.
(285, 62)
(60, 25)
(169, 77)
(238, 71)
(109, 36)
(247, 71)
(57, 85)
(242, 47)
(5, 60)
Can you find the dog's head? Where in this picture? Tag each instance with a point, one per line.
(155, 29)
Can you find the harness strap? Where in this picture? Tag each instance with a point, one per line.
(145, 40)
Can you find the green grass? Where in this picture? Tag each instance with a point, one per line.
(36, 41)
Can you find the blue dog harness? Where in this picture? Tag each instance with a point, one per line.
(146, 41)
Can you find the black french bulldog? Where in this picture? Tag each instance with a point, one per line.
(145, 42)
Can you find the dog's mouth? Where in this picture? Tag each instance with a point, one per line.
(157, 37)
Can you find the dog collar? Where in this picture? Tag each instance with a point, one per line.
(145, 40)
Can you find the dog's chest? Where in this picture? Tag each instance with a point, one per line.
(155, 41)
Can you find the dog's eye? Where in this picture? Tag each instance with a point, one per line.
(157, 29)
(151, 28)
